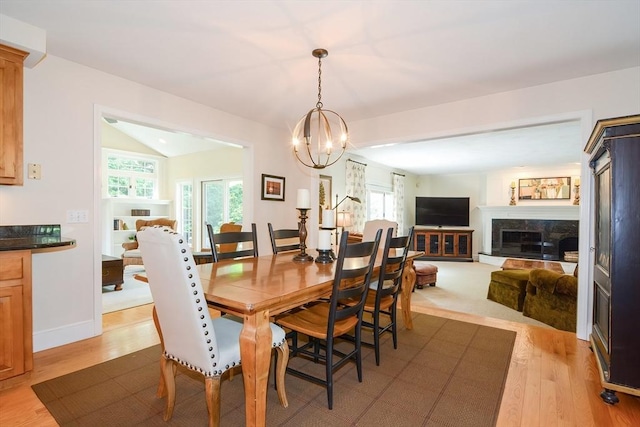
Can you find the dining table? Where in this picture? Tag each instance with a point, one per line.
(258, 288)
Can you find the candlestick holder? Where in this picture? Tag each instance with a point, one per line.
(324, 256)
(303, 256)
(334, 230)
(513, 197)
(576, 191)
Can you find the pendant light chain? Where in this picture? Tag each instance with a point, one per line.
(319, 103)
(321, 136)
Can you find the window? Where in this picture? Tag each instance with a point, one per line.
(184, 214)
(130, 175)
(221, 202)
(380, 205)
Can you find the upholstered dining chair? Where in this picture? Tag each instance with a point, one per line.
(326, 321)
(372, 226)
(383, 294)
(282, 240)
(131, 254)
(189, 336)
(223, 241)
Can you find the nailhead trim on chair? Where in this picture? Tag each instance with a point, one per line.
(214, 372)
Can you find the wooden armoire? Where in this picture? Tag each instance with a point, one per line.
(614, 148)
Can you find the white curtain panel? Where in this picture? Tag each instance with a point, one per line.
(398, 197)
(355, 186)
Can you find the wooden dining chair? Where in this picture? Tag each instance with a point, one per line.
(246, 243)
(384, 290)
(189, 336)
(282, 240)
(325, 322)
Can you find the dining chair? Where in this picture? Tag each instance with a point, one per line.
(243, 239)
(325, 322)
(372, 226)
(282, 239)
(383, 293)
(188, 334)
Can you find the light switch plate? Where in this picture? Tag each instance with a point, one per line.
(34, 171)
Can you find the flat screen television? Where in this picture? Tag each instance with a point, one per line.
(442, 211)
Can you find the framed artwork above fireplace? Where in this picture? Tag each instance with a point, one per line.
(557, 188)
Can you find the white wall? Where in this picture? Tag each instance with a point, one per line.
(60, 133)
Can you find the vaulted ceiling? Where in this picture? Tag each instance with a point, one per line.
(253, 58)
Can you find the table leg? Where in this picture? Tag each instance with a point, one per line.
(255, 351)
(408, 279)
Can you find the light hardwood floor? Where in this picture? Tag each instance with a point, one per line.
(552, 380)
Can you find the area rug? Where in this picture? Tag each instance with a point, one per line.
(134, 292)
(444, 373)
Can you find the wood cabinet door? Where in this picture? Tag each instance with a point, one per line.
(11, 149)
(434, 244)
(11, 332)
(449, 244)
(463, 242)
(602, 259)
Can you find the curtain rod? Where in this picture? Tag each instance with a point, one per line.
(399, 174)
(360, 163)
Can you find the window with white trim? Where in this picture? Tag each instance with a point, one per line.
(380, 204)
(184, 210)
(131, 175)
(221, 202)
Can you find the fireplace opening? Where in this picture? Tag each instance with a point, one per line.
(525, 244)
(534, 239)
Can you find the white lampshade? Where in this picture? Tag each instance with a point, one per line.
(344, 219)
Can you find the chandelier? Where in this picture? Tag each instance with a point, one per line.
(317, 128)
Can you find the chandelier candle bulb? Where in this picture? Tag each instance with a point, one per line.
(513, 184)
(324, 240)
(328, 219)
(303, 199)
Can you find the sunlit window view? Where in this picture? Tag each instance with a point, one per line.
(380, 205)
(221, 202)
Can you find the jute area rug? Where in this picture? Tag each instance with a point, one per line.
(444, 373)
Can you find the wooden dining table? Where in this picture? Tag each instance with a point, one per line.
(256, 289)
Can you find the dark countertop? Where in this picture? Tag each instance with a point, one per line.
(32, 237)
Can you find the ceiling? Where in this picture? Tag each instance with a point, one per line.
(253, 58)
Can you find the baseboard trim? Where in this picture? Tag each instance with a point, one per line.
(43, 340)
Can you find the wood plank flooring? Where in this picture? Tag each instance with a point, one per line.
(552, 381)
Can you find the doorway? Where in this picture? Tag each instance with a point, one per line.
(182, 157)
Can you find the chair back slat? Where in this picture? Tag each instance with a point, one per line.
(217, 240)
(393, 261)
(285, 236)
(354, 268)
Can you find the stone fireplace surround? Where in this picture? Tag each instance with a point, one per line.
(552, 224)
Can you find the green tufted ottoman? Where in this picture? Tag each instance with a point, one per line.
(509, 287)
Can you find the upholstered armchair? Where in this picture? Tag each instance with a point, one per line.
(552, 298)
(131, 254)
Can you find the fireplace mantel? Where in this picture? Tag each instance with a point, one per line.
(489, 213)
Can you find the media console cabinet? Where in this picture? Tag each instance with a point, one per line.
(441, 243)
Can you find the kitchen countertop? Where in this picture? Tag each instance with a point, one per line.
(32, 237)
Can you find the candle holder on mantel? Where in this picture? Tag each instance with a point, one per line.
(303, 256)
(513, 195)
(576, 191)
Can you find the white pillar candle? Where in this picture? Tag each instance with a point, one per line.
(324, 239)
(328, 219)
(303, 199)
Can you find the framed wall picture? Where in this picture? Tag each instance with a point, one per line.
(324, 195)
(544, 188)
(272, 187)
